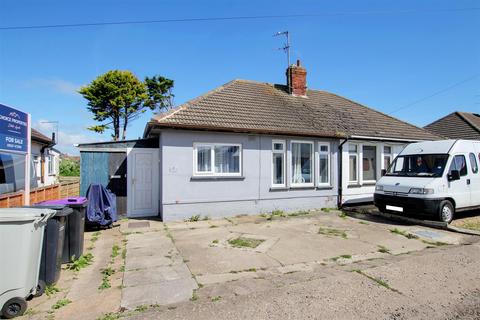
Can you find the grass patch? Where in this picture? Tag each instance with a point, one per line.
(332, 232)
(60, 304)
(326, 209)
(82, 262)
(343, 215)
(299, 213)
(110, 316)
(435, 243)
(194, 218)
(241, 242)
(51, 289)
(383, 249)
(472, 225)
(380, 282)
(403, 233)
(115, 251)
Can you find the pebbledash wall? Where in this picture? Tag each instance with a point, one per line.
(182, 194)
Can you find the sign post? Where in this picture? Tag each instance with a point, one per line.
(15, 135)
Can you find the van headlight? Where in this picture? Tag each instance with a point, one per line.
(421, 191)
(378, 187)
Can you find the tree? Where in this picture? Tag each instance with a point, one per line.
(69, 168)
(118, 97)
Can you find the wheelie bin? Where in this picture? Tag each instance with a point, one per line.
(53, 239)
(74, 227)
(21, 240)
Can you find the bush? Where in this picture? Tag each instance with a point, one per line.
(69, 168)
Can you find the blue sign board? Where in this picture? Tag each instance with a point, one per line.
(13, 129)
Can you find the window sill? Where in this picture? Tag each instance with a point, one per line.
(369, 183)
(355, 185)
(216, 178)
(302, 187)
(324, 187)
(279, 188)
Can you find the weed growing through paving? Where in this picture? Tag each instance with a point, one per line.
(51, 289)
(107, 272)
(472, 225)
(115, 251)
(60, 304)
(242, 242)
(326, 209)
(403, 233)
(206, 218)
(194, 218)
(363, 222)
(194, 296)
(80, 263)
(213, 226)
(95, 236)
(216, 298)
(383, 249)
(343, 215)
(141, 308)
(299, 213)
(110, 316)
(378, 281)
(215, 241)
(30, 312)
(435, 243)
(332, 232)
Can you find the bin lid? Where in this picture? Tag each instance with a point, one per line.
(24, 214)
(69, 201)
(60, 209)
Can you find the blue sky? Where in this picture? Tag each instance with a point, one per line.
(384, 60)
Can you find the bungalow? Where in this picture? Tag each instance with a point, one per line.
(45, 159)
(457, 125)
(250, 147)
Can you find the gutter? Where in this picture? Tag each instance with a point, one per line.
(384, 139)
(340, 173)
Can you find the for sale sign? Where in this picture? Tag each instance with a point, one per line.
(13, 129)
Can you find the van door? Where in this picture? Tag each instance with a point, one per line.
(459, 190)
(475, 179)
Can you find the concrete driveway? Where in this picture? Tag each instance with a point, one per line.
(289, 244)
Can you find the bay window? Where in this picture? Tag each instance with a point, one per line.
(324, 164)
(302, 163)
(353, 163)
(369, 161)
(217, 159)
(278, 163)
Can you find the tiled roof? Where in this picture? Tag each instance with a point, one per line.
(40, 137)
(249, 106)
(457, 125)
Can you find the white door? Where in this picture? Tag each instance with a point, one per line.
(143, 182)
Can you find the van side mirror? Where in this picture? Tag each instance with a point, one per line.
(383, 172)
(453, 175)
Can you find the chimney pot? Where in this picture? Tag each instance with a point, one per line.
(297, 79)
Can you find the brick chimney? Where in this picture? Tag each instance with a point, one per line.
(297, 79)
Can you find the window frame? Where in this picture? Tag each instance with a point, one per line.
(329, 166)
(312, 164)
(284, 166)
(51, 164)
(356, 154)
(387, 155)
(453, 162)
(473, 159)
(363, 145)
(212, 172)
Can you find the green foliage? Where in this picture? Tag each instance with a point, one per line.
(115, 251)
(51, 289)
(82, 262)
(61, 303)
(194, 218)
(69, 168)
(332, 232)
(118, 97)
(245, 242)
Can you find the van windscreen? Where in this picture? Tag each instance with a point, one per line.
(421, 165)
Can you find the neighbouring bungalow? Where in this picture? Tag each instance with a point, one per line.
(457, 125)
(250, 147)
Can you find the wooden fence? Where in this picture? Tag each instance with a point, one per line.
(56, 191)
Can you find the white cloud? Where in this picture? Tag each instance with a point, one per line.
(58, 85)
(65, 140)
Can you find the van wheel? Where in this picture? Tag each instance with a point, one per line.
(14, 307)
(446, 211)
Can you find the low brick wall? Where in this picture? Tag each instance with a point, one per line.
(56, 191)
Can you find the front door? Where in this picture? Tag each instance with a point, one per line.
(143, 195)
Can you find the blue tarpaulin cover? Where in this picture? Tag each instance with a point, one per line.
(102, 207)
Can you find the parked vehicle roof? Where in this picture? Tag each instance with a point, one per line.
(256, 107)
(429, 147)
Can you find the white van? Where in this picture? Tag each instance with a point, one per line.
(434, 177)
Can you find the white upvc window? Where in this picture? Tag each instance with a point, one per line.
(324, 164)
(217, 159)
(51, 164)
(387, 157)
(369, 163)
(302, 163)
(353, 163)
(278, 163)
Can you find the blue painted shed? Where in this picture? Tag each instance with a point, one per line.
(106, 163)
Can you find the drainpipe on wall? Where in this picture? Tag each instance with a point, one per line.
(340, 173)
